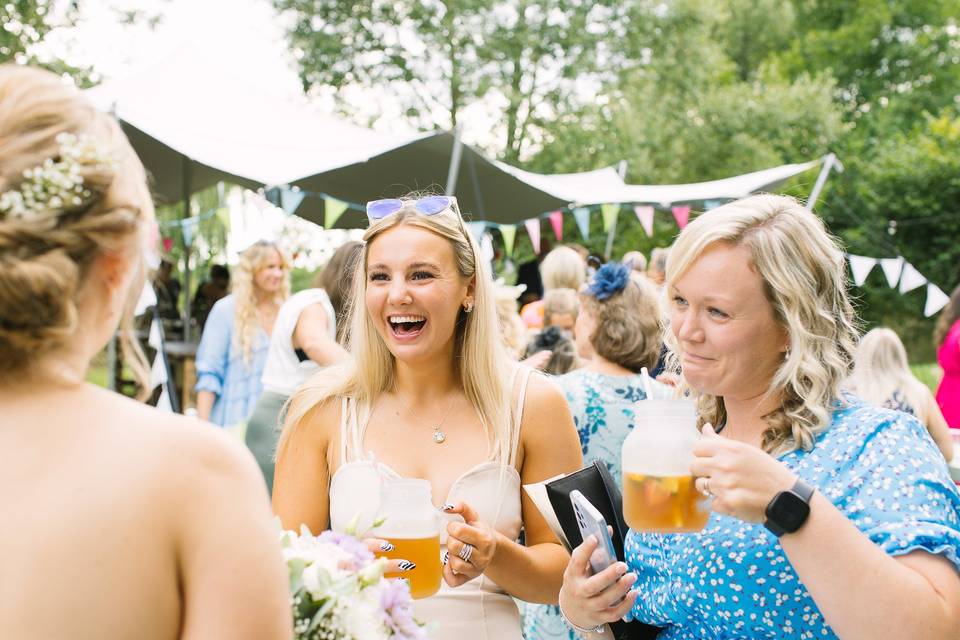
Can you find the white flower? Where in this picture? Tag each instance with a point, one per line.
(361, 617)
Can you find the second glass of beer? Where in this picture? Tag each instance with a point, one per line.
(659, 494)
(412, 525)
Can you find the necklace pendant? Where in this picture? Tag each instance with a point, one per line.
(439, 436)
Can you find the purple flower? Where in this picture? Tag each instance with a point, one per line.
(397, 609)
(609, 279)
(355, 548)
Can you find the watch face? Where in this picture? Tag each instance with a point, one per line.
(789, 511)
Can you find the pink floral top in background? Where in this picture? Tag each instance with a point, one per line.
(948, 394)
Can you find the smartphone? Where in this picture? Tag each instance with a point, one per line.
(592, 523)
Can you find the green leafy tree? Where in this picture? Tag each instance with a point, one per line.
(23, 26)
(530, 58)
(900, 56)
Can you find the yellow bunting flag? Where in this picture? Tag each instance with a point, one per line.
(334, 209)
(509, 232)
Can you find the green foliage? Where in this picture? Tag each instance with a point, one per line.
(434, 58)
(23, 26)
(913, 181)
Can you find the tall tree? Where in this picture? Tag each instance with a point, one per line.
(23, 26)
(530, 59)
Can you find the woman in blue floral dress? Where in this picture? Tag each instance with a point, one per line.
(617, 334)
(833, 519)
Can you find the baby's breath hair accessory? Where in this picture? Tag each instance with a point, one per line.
(57, 183)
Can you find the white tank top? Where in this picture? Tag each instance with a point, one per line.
(283, 371)
(479, 609)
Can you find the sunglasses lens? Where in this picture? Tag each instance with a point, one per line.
(432, 205)
(379, 209)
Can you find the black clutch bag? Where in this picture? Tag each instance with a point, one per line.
(597, 486)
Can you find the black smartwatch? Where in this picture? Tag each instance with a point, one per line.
(788, 510)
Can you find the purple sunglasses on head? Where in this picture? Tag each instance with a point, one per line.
(428, 206)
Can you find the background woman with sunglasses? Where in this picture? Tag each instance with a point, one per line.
(431, 393)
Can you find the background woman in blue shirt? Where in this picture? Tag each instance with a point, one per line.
(233, 348)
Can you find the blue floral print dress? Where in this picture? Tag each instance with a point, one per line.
(603, 407)
(733, 580)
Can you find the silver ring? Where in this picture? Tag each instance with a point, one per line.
(465, 552)
(706, 488)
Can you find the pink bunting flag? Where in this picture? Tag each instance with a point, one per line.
(533, 230)
(556, 221)
(681, 214)
(645, 215)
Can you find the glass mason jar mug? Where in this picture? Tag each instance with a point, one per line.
(659, 493)
(412, 524)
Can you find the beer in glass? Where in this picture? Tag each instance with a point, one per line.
(412, 524)
(659, 494)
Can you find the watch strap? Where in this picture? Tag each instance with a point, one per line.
(804, 490)
(800, 489)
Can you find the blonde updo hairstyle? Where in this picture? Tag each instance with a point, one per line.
(45, 257)
(804, 278)
(242, 285)
(480, 356)
(563, 268)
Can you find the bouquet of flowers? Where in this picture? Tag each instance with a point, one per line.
(339, 592)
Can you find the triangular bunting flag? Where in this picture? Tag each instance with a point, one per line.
(556, 221)
(936, 300)
(582, 217)
(476, 228)
(147, 299)
(861, 266)
(910, 279)
(892, 268)
(158, 372)
(163, 403)
(486, 248)
(681, 214)
(610, 213)
(533, 230)
(509, 233)
(334, 209)
(645, 216)
(189, 228)
(290, 199)
(154, 337)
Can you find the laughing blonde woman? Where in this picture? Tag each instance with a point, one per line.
(432, 394)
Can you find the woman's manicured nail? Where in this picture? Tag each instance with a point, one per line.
(386, 546)
(407, 566)
(447, 507)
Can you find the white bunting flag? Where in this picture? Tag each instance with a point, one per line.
(861, 266)
(158, 372)
(154, 339)
(645, 215)
(936, 300)
(486, 248)
(163, 402)
(148, 298)
(892, 268)
(910, 279)
(533, 230)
